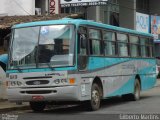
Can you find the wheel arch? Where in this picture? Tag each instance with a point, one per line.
(98, 81)
(139, 79)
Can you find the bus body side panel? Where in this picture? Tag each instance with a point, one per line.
(148, 79)
(84, 85)
(118, 74)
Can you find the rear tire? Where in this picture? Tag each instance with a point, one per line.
(137, 89)
(37, 106)
(96, 94)
(136, 95)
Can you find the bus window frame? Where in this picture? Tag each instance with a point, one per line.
(102, 29)
(127, 43)
(147, 45)
(138, 45)
(37, 64)
(100, 42)
(105, 41)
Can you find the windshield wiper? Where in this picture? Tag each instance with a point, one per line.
(20, 70)
(49, 65)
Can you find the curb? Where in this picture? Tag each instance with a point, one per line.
(9, 109)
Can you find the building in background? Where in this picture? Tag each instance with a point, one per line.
(105, 11)
(121, 13)
(17, 7)
(23, 8)
(116, 12)
(28, 7)
(141, 15)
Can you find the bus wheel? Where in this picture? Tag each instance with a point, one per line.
(37, 106)
(137, 89)
(94, 103)
(136, 95)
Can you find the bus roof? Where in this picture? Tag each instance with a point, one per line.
(80, 22)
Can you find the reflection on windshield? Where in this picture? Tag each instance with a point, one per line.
(24, 46)
(54, 46)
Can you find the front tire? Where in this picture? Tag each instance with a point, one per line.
(95, 102)
(37, 106)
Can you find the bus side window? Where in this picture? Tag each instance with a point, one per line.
(109, 43)
(95, 42)
(146, 47)
(134, 46)
(122, 44)
(151, 47)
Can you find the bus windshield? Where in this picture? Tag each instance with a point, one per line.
(42, 46)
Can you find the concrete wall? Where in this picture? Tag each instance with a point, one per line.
(17, 7)
(2, 8)
(95, 13)
(154, 7)
(3, 94)
(127, 13)
(91, 13)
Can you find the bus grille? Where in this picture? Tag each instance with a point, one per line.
(39, 92)
(37, 82)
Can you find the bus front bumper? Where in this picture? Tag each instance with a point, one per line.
(65, 93)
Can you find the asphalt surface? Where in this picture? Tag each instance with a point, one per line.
(147, 108)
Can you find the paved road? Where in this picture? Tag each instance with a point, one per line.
(112, 109)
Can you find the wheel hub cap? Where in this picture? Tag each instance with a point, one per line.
(95, 97)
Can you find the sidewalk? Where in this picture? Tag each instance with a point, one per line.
(6, 106)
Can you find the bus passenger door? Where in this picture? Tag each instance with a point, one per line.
(82, 59)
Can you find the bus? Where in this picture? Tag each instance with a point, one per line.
(79, 61)
(157, 54)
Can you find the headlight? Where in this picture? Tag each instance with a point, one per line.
(70, 81)
(13, 76)
(14, 83)
(60, 81)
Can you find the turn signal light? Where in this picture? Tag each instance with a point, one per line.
(72, 80)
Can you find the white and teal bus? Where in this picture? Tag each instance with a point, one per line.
(73, 60)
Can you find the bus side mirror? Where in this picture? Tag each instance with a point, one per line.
(83, 40)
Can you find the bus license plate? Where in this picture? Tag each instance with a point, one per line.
(37, 98)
